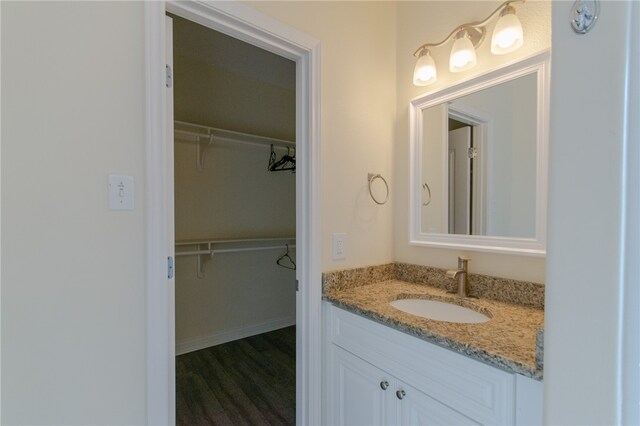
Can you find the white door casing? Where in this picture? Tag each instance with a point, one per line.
(459, 180)
(482, 125)
(251, 26)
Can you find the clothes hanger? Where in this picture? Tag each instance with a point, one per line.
(287, 162)
(272, 158)
(286, 261)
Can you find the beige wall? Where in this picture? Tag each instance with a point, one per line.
(73, 292)
(73, 298)
(421, 22)
(358, 119)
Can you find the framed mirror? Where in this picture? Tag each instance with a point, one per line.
(478, 176)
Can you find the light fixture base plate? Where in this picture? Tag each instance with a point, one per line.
(476, 35)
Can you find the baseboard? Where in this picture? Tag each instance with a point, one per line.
(229, 335)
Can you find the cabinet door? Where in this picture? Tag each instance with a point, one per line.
(356, 394)
(417, 408)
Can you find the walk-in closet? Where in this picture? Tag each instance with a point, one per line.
(235, 230)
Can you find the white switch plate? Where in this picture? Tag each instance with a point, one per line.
(339, 244)
(120, 192)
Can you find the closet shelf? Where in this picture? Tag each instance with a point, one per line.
(205, 249)
(204, 136)
(207, 246)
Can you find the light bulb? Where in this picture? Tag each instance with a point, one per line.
(507, 34)
(463, 54)
(425, 71)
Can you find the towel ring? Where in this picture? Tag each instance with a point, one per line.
(426, 186)
(371, 178)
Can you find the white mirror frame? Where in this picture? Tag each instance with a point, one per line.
(536, 246)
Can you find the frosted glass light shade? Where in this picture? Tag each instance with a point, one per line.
(463, 54)
(507, 35)
(425, 71)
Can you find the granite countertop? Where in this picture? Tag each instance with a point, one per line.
(507, 341)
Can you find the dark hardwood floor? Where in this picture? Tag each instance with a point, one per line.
(251, 381)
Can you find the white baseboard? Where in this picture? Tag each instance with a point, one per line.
(229, 335)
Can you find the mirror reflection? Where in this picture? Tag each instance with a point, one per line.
(478, 173)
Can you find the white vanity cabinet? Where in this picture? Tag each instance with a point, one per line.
(380, 376)
(363, 394)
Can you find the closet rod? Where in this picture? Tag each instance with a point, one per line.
(213, 134)
(239, 240)
(232, 250)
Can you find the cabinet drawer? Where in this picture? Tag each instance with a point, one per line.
(479, 391)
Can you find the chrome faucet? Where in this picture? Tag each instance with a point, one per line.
(461, 275)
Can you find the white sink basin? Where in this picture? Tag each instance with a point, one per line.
(439, 311)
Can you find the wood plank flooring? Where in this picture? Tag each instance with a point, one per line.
(251, 381)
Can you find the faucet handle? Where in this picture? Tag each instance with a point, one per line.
(452, 274)
(462, 262)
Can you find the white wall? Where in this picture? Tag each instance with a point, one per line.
(223, 82)
(435, 142)
(358, 115)
(73, 294)
(511, 187)
(523, 157)
(239, 295)
(234, 196)
(582, 346)
(427, 21)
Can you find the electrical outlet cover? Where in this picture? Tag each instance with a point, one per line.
(339, 245)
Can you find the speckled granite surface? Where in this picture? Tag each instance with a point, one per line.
(348, 278)
(481, 286)
(539, 348)
(507, 341)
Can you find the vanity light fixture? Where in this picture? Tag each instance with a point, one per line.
(507, 37)
(425, 71)
(507, 34)
(463, 54)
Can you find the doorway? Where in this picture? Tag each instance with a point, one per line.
(246, 24)
(460, 142)
(468, 156)
(235, 225)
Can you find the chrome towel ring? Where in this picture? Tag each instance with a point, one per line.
(371, 177)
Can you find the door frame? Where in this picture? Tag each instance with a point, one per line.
(481, 123)
(251, 26)
(453, 173)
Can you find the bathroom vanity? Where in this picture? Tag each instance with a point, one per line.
(386, 366)
(477, 183)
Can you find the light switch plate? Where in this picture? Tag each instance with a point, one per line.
(120, 192)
